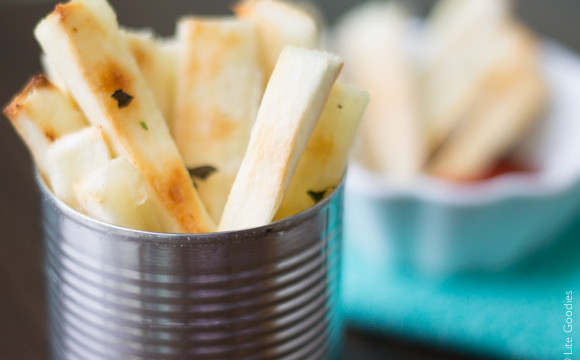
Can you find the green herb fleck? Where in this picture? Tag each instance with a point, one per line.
(123, 99)
(202, 172)
(316, 196)
(340, 106)
(144, 125)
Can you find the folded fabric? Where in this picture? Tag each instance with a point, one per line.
(519, 313)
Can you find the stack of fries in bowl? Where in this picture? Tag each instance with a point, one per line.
(465, 156)
(232, 123)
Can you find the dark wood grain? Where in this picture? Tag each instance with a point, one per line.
(23, 330)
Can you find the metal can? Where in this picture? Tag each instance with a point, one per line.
(270, 292)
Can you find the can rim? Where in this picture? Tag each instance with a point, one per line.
(161, 237)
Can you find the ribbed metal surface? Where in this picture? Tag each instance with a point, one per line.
(265, 293)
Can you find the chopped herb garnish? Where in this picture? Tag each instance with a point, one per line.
(144, 125)
(340, 106)
(316, 196)
(202, 172)
(123, 99)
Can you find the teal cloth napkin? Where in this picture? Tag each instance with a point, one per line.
(519, 313)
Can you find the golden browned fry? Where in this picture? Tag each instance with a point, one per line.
(41, 113)
(156, 58)
(290, 108)
(323, 162)
(219, 91)
(83, 42)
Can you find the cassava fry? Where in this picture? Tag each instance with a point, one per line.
(292, 103)
(323, 162)
(461, 48)
(219, 91)
(279, 24)
(373, 40)
(83, 42)
(118, 194)
(453, 24)
(156, 58)
(509, 103)
(41, 113)
(51, 74)
(71, 157)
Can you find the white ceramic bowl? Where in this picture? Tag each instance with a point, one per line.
(442, 227)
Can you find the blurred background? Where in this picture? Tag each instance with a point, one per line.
(22, 329)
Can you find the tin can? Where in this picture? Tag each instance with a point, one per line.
(270, 292)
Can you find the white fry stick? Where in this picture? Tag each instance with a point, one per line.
(83, 42)
(279, 24)
(461, 42)
(156, 58)
(118, 194)
(41, 113)
(71, 157)
(323, 162)
(292, 103)
(51, 73)
(453, 23)
(373, 40)
(509, 103)
(218, 94)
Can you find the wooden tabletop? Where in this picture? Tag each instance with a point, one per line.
(23, 330)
